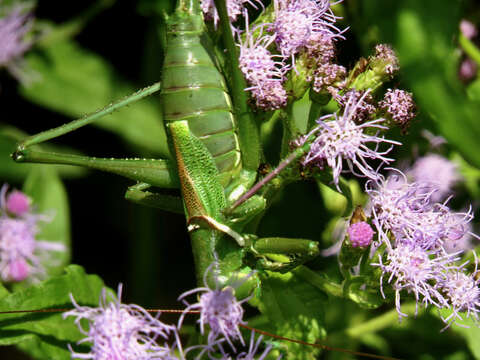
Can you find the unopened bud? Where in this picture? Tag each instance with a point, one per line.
(17, 203)
(360, 234)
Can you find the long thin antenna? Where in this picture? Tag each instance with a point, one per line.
(258, 331)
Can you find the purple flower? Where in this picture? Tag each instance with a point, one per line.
(468, 70)
(412, 268)
(462, 294)
(364, 109)
(385, 59)
(119, 331)
(264, 75)
(405, 211)
(360, 234)
(14, 25)
(296, 22)
(20, 252)
(468, 29)
(399, 105)
(328, 74)
(17, 203)
(342, 139)
(219, 309)
(437, 173)
(253, 349)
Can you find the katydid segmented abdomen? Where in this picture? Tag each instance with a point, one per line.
(194, 90)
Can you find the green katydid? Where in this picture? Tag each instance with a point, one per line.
(216, 152)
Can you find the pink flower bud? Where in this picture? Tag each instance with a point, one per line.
(361, 234)
(18, 270)
(18, 203)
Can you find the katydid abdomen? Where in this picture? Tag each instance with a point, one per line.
(193, 90)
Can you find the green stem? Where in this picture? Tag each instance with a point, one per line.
(318, 281)
(248, 132)
(379, 323)
(299, 152)
(470, 49)
(290, 129)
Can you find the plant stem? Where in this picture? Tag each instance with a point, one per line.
(379, 323)
(318, 281)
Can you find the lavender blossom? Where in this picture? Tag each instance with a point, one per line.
(17, 203)
(360, 234)
(364, 109)
(219, 309)
(20, 253)
(415, 270)
(468, 29)
(406, 212)
(341, 139)
(437, 173)
(462, 294)
(14, 25)
(119, 331)
(264, 75)
(385, 60)
(399, 105)
(327, 75)
(468, 70)
(253, 349)
(296, 22)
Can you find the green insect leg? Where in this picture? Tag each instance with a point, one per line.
(138, 194)
(282, 254)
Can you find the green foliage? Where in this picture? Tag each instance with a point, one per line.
(47, 334)
(46, 189)
(295, 310)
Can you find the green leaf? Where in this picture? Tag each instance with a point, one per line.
(49, 196)
(74, 81)
(50, 327)
(470, 333)
(473, 90)
(42, 348)
(295, 310)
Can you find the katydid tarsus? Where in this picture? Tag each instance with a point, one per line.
(215, 150)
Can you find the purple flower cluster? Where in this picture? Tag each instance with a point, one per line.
(15, 23)
(386, 59)
(298, 27)
(129, 332)
(119, 331)
(339, 137)
(298, 24)
(416, 232)
(20, 252)
(437, 173)
(399, 106)
(262, 71)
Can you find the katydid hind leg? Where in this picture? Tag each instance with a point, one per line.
(157, 172)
